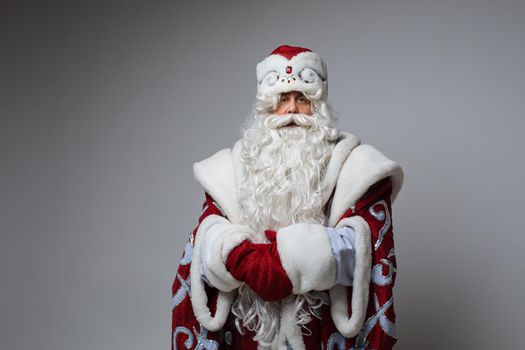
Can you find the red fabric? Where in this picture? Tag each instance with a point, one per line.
(259, 266)
(289, 51)
(186, 329)
(376, 198)
(184, 326)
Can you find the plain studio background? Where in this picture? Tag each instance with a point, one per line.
(105, 106)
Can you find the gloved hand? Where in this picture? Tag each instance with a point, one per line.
(259, 266)
(299, 258)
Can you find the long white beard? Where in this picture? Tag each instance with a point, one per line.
(283, 169)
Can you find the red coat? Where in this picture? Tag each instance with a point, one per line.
(377, 332)
(357, 190)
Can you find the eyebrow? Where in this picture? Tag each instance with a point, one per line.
(287, 94)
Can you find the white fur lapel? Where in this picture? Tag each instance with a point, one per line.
(365, 166)
(352, 169)
(339, 155)
(216, 175)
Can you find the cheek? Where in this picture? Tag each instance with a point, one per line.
(305, 109)
(278, 110)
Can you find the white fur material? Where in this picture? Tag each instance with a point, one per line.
(289, 329)
(308, 75)
(352, 169)
(298, 62)
(219, 237)
(365, 166)
(199, 299)
(216, 176)
(306, 256)
(340, 153)
(350, 326)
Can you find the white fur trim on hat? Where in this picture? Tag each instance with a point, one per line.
(307, 73)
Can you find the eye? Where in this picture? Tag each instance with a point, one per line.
(303, 99)
(283, 98)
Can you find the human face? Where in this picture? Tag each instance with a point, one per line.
(293, 102)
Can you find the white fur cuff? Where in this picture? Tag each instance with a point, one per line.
(218, 245)
(350, 326)
(306, 256)
(219, 237)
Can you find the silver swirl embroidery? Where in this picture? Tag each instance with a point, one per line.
(186, 258)
(203, 343)
(181, 293)
(377, 273)
(336, 341)
(381, 216)
(360, 347)
(183, 330)
(391, 253)
(388, 326)
(228, 337)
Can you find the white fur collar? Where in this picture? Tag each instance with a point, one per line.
(352, 169)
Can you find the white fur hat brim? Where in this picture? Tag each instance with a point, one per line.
(305, 72)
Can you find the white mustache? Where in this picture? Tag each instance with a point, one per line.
(276, 121)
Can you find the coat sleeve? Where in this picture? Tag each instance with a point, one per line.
(377, 329)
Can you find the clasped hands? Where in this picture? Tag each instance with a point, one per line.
(298, 258)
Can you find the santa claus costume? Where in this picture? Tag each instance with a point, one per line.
(294, 244)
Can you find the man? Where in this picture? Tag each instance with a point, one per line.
(294, 247)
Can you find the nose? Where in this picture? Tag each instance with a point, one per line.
(292, 107)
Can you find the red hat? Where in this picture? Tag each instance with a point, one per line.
(292, 68)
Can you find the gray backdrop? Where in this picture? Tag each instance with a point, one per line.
(105, 105)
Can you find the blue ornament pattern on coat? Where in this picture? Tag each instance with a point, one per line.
(388, 326)
(181, 293)
(203, 343)
(381, 216)
(336, 341)
(377, 273)
(186, 257)
(188, 343)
